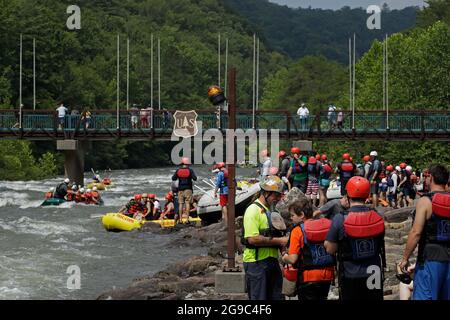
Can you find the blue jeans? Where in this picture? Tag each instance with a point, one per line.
(432, 281)
(263, 279)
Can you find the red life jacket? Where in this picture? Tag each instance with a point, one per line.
(438, 226)
(365, 235)
(95, 195)
(79, 197)
(314, 255)
(88, 198)
(134, 207)
(346, 170)
(70, 195)
(183, 173)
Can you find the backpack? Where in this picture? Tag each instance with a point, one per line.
(390, 182)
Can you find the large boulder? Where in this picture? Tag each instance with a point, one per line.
(283, 206)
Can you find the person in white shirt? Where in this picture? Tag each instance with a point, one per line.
(266, 164)
(303, 113)
(62, 111)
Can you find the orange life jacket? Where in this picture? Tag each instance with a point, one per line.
(49, 195)
(70, 195)
(79, 197)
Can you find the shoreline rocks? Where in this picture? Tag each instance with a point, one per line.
(193, 279)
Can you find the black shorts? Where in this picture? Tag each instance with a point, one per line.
(356, 289)
(374, 188)
(313, 291)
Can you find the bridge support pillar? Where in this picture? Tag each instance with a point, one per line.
(74, 159)
(304, 145)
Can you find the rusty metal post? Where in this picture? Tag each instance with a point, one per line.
(231, 164)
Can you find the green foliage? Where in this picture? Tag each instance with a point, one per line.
(437, 10)
(18, 163)
(313, 80)
(419, 71)
(300, 32)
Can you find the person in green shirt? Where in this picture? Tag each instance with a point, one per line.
(262, 270)
(298, 170)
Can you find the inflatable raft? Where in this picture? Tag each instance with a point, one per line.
(52, 202)
(119, 222)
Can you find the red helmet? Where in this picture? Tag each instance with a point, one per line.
(169, 196)
(390, 168)
(351, 159)
(402, 165)
(138, 197)
(220, 165)
(324, 157)
(366, 158)
(317, 156)
(185, 160)
(358, 187)
(312, 160)
(346, 156)
(295, 150)
(152, 196)
(281, 154)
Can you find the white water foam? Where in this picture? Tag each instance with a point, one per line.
(26, 225)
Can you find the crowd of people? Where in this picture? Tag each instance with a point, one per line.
(72, 192)
(343, 240)
(395, 186)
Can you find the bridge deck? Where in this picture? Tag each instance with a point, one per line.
(105, 125)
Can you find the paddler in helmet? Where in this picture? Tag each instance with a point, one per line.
(133, 207)
(169, 208)
(185, 175)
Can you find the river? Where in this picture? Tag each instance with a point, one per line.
(39, 244)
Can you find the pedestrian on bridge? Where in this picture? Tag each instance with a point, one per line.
(62, 112)
(303, 113)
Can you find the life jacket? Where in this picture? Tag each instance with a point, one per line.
(49, 195)
(134, 207)
(106, 181)
(390, 181)
(346, 170)
(88, 198)
(79, 197)
(364, 236)
(313, 169)
(314, 255)
(171, 212)
(183, 173)
(372, 168)
(70, 195)
(437, 228)
(225, 180)
(326, 171)
(297, 168)
(95, 195)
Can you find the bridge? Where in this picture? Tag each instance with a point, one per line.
(104, 125)
(109, 125)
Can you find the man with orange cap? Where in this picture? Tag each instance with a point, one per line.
(358, 236)
(185, 175)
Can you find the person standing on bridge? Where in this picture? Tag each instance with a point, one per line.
(62, 111)
(303, 113)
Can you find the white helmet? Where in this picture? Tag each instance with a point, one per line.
(374, 153)
(66, 180)
(94, 188)
(398, 168)
(74, 187)
(82, 190)
(88, 190)
(97, 176)
(52, 189)
(409, 168)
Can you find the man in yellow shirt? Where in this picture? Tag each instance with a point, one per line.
(262, 270)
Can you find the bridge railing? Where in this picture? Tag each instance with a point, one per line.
(287, 122)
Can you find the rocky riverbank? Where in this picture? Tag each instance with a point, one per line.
(194, 278)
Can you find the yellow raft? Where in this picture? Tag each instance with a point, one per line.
(120, 222)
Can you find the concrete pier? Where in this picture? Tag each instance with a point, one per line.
(74, 159)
